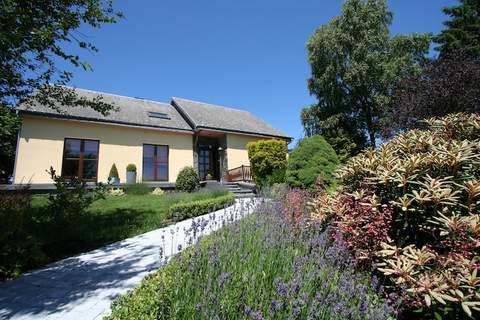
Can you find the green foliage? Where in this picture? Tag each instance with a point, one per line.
(268, 161)
(313, 157)
(463, 30)
(131, 167)
(33, 34)
(137, 189)
(113, 172)
(277, 191)
(344, 146)
(355, 66)
(17, 248)
(341, 134)
(9, 125)
(197, 208)
(431, 181)
(70, 199)
(187, 180)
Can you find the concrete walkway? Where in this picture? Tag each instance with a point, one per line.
(83, 287)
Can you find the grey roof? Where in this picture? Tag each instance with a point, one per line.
(185, 115)
(208, 116)
(131, 111)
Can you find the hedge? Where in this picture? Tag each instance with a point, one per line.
(196, 208)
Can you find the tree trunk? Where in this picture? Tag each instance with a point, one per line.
(368, 122)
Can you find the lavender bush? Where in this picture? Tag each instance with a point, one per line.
(258, 268)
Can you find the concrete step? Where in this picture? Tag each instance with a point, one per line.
(245, 195)
(242, 191)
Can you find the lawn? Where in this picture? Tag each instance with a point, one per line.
(105, 221)
(120, 217)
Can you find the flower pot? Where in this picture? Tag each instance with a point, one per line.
(114, 180)
(131, 177)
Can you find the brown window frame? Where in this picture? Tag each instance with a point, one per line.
(155, 162)
(80, 158)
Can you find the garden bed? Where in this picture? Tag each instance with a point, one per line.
(256, 268)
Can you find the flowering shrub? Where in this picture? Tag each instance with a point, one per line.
(257, 268)
(421, 225)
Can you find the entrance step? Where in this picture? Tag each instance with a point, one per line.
(233, 187)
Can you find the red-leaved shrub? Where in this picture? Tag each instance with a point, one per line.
(364, 225)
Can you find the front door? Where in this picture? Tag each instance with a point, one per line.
(206, 163)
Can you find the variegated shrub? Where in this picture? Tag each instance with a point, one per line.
(431, 181)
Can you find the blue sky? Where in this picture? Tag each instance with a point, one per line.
(245, 54)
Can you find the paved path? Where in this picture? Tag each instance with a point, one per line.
(82, 287)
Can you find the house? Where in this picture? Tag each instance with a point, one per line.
(159, 138)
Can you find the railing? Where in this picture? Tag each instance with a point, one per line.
(241, 173)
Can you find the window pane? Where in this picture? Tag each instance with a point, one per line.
(162, 172)
(89, 169)
(148, 150)
(72, 148)
(148, 153)
(70, 168)
(162, 154)
(90, 149)
(148, 171)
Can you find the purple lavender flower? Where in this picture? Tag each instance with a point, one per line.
(225, 277)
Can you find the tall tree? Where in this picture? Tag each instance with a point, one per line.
(446, 85)
(463, 30)
(355, 64)
(33, 35)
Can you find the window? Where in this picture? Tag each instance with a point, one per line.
(80, 159)
(155, 162)
(159, 115)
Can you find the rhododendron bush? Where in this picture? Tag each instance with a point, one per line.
(410, 210)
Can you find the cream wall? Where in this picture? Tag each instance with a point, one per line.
(237, 153)
(41, 142)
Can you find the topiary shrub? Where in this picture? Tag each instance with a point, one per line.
(113, 172)
(187, 180)
(113, 175)
(131, 168)
(313, 157)
(268, 161)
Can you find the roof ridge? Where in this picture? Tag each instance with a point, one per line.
(213, 105)
(121, 96)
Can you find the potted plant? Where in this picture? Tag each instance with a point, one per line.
(209, 176)
(113, 175)
(131, 173)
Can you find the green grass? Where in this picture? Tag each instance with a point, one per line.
(108, 220)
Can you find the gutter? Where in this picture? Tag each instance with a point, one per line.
(112, 122)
